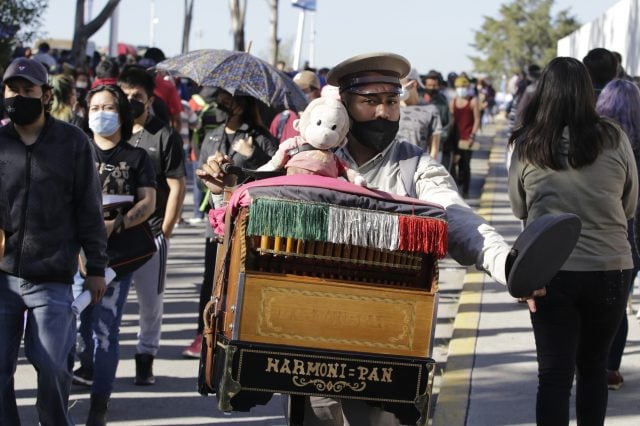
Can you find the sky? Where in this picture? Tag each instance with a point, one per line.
(432, 34)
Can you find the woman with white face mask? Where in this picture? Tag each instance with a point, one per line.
(123, 170)
(465, 116)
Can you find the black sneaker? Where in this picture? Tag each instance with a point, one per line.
(82, 377)
(144, 370)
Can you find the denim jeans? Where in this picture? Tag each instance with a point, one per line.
(574, 326)
(48, 337)
(99, 335)
(620, 340)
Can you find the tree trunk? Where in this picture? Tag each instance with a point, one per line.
(83, 32)
(186, 30)
(237, 9)
(275, 42)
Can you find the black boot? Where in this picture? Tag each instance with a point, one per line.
(144, 370)
(98, 410)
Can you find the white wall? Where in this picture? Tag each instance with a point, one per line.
(617, 29)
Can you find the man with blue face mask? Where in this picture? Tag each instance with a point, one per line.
(48, 173)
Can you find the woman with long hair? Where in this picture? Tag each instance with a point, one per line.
(620, 101)
(568, 159)
(123, 170)
(65, 102)
(245, 140)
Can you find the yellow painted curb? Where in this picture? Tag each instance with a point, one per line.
(453, 400)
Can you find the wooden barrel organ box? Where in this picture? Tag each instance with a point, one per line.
(324, 292)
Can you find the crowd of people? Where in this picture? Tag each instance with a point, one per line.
(118, 128)
(127, 122)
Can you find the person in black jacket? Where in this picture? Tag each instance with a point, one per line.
(245, 140)
(48, 173)
(164, 146)
(243, 137)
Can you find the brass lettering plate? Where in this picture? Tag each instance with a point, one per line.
(307, 373)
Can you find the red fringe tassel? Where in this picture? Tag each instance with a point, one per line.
(421, 234)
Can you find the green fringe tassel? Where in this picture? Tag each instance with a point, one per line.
(283, 218)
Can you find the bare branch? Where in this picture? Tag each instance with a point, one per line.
(92, 27)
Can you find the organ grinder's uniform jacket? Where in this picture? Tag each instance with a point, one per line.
(428, 180)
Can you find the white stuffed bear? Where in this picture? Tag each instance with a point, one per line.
(323, 125)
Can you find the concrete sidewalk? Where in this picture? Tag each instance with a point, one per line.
(490, 376)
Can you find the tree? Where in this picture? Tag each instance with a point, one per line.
(19, 21)
(238, 9)
(84, 31)
(186, 29)
(525, 33)
(273, 21)
(285, 49)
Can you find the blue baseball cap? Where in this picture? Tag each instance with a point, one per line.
(29, 69)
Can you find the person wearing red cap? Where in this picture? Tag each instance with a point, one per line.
(49, 176)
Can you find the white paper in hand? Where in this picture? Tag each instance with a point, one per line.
(82, 301)
(109, 275)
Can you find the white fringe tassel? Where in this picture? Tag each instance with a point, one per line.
(363, 228)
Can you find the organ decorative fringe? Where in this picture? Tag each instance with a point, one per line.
(428, 236)
(363, 228)
(283, 218)
(341, 225)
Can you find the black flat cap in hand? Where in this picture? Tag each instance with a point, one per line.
(540, 251)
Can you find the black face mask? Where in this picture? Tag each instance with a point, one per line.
(23, 111)
(431, 92)
(137, 108)
(81, 94)
(376, 134)
(225, 109)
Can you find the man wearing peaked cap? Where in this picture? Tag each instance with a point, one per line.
(369, 87)
(54, 211)
(353, 72)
